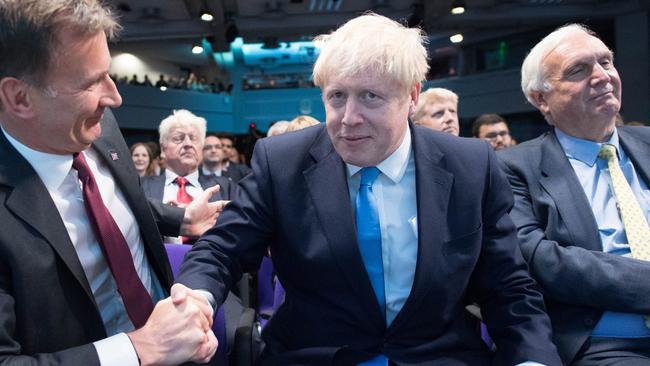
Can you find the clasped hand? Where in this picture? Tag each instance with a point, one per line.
(179, 330)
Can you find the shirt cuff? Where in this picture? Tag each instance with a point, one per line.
(116, 350)
(530, 363)
(208, 297)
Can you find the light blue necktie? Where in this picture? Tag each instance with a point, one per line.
(369, 237)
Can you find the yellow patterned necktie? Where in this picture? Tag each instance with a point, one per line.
(634, 221)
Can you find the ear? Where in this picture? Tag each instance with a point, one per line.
(415, 96)
(16, 98)
(540, 101)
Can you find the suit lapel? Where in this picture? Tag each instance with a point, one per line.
(561, 183)
(433, 187)
(327, 178)
(31, 202)
(207, 181)
(639, 151)
(112, 150)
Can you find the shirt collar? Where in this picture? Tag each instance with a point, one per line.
(584, 150)
(395, 164)
(51, 168)
(192, 178)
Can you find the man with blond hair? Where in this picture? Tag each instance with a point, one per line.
(582, 202)
(83, 273)
(437, 109)
(389, 287)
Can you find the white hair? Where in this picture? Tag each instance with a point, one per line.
(182, 117)
(533, 73)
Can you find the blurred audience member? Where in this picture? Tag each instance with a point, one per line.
(161, 81)
(156, 160)
(142, 159)
(230, 167)
(301, 122)
(277, 128)
(134, 80)
(438, 110)
(494, 129)
(213, 156)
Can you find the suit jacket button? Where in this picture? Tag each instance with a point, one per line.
(588, 322)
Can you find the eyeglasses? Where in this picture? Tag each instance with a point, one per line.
(179, 138)
(493, 135)
(209, 147)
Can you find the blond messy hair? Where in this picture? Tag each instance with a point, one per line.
(372, 43)
(433, 96)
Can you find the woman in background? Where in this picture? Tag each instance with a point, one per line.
(141, 155)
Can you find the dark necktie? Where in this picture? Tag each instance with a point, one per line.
(369, 233)
(137, 300)
(182, 196)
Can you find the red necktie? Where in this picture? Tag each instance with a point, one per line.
(137, 300)
(182, 196)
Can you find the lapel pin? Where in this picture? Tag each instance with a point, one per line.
(114, 155)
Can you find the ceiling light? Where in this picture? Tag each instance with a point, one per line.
(197, 49)
(456, 38)
(206, 16)
(457, 7)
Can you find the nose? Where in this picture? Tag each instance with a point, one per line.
(600, 74)
(351, 113)
(448, 117)
(111, 97)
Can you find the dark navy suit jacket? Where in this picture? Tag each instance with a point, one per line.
(297, 200)
(48, 314)
(560, 240)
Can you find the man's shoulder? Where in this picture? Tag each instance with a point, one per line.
(152, 180)
(524, 151)
(295, 141)
(639, 132)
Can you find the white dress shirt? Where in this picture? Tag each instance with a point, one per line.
(65, 189)
(193, 187)
(396, 199)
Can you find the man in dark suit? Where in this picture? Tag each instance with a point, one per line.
(577, 246)
(67, 180)
(230, 168)
(182, 135)
(432, 232)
